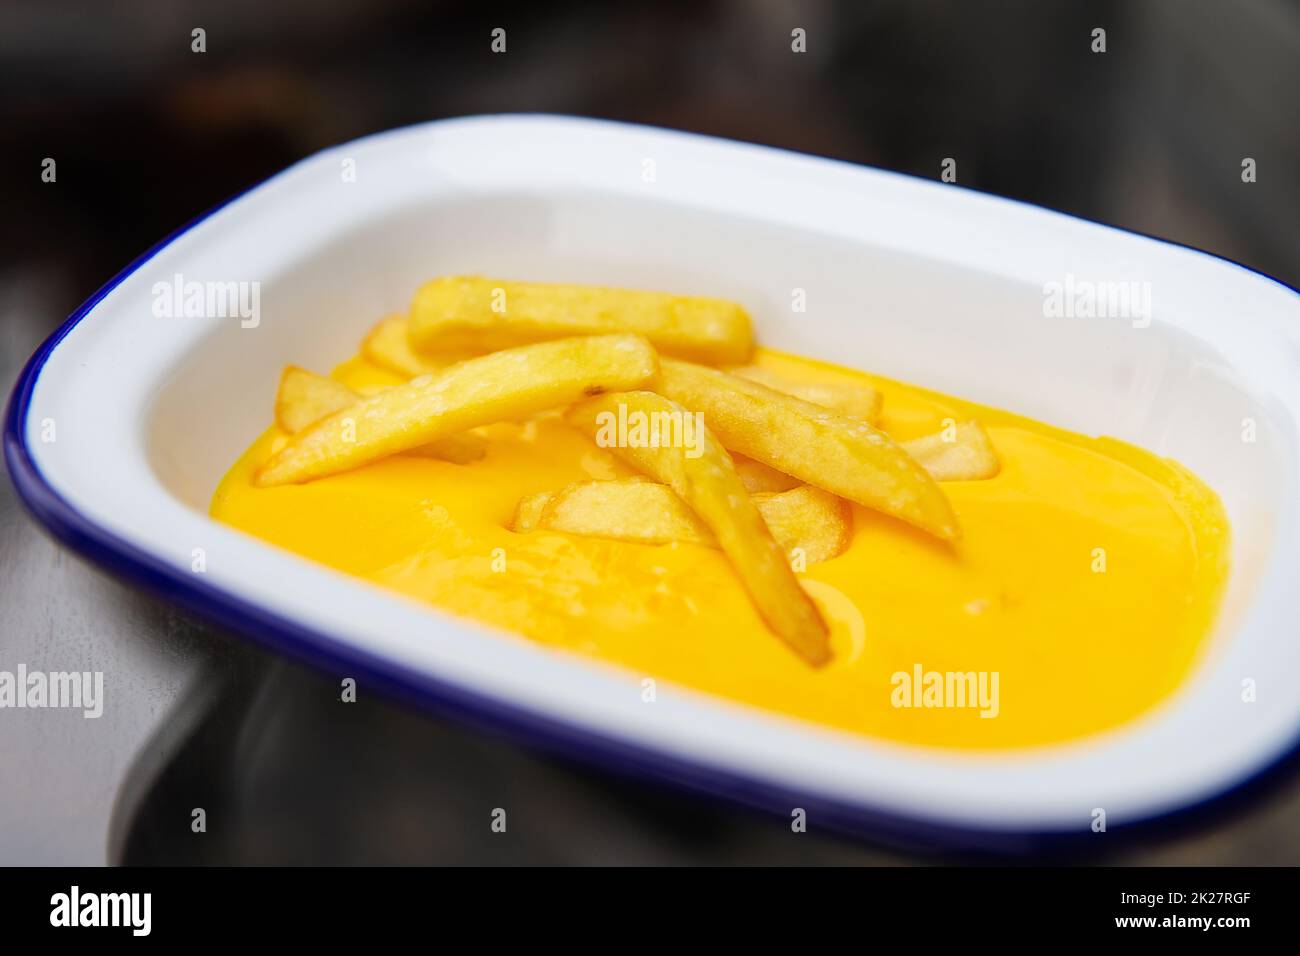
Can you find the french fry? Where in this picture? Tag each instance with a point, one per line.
(845, 456)
(475, 392)
(387, 346)
(709, 485)
(856, 401)
(305, 398)
(627, 509)
(756, 476)
(474, 313)
(814, 521)
(967, 455)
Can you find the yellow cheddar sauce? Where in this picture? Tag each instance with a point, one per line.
(1086, 580)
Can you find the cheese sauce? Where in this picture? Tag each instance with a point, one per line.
(1081, 594)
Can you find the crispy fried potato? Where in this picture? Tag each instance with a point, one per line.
(474, 313)
(387, 346)
(475, 392)
(814, 521)
(633, 509)
(708, 483)
(627, 509)
(756, 476)
(846, 456)
(964, 454)
(856, 401)
(305, 398)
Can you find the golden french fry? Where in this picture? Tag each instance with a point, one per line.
(856, 401)
(962, 454)
(475, 392)
(756, 476)
(474, 313)
(626, 509)
(305, 398)
(815, 522)
(703, 476)
(846, 456)
(387, 346)
(632, 509)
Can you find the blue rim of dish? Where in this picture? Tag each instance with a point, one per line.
(318, 649)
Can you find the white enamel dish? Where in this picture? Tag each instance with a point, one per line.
(915, 280)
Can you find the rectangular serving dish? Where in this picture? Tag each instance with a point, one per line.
(124, 421)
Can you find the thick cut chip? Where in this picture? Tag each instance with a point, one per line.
(856, 401)
(813, 521)
(474, 313)
(626, 509)
(388, 346)
(304, 398)
(475, 392)
(961, 453)
(846, 456)
(703, 476)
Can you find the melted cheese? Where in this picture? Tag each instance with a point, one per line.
(1087, 577)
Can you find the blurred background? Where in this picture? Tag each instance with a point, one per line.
(147, 134)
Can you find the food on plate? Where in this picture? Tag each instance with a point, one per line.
(478, 391)
(707, 482)
(845, 456)
(708, 513)
(471, 312)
